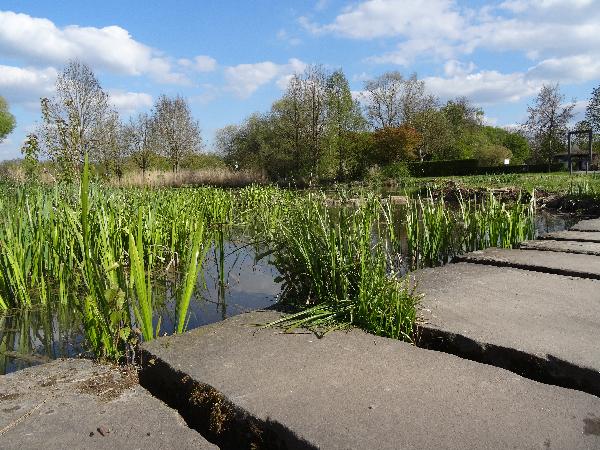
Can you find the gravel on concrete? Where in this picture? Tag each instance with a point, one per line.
(571, 264)
(584, 248)
(355, 390)
(77, 404)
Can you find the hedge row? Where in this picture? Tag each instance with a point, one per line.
(470, 167)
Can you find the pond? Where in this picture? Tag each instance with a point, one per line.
(34, 336)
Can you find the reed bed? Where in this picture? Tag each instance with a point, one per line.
(214, 176)
(436, 233)
(102, 252)
(337, 267)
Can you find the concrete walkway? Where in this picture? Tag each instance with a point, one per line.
(584, 248)
(77, 404)
(352, 390)
(581, 236)
(570, 264)
(587, 225)
(534, 310)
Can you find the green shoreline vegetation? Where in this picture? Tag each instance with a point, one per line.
(98, 250)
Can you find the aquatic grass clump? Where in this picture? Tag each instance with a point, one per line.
(437, 233)
(335, 267)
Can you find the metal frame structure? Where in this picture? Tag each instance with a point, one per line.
(589, 161)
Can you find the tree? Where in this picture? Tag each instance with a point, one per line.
(395, 144)
(31, 154)
(315, 103)
(73, 121)
(343, 117)
(383, 100)
(393, 100)
(112, 148)
(513, 140)
(7, 120)
(436, 132)
(139, 141)
(547, 123)
(177, 133)
(491, 154)
(592, 111)
(290, 117)
(415, 100)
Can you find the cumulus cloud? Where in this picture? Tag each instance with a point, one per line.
(25, 85)
(385, 18)
(244, 79)
(129, 102)
(560, 37)
(201, 63)
(484, 87)
(38, 41)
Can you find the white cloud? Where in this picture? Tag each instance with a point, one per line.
(25, 85)
(385, 18)
(560, 36)
(205, 63)
(570, 69)
(129, 102)
(200, 63)
(244, 79)
(39, 41)
(484, 87)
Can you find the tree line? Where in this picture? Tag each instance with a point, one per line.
(79, 120)
(318, 130)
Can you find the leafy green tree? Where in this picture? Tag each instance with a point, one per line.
(492, 154)
(512, 140)
(437, 136)
(290, 116)
(31, 154)
(7, 120)
(395, 144)
(343, 117)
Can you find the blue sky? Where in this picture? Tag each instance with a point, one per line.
(231, 58)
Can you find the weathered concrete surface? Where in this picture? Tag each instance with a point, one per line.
(70, 404)
(584, 248)
(580, 236)
(545, 326)
(587, 225)
(571, 264)
(359, 391)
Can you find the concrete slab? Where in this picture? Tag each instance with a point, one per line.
(584, 248)
(77, 404)
(544, 326)
(587, 225)
(578, 236)
(359, 391)
(571, 264)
